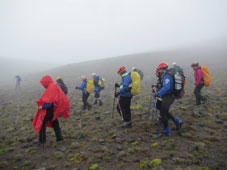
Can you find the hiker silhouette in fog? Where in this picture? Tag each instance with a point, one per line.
(51, 105)
(61, 84)
(18, 80)
(199, 83)
(97, 89)
(166, 98)
(85, 93)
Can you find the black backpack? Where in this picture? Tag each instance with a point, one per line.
(64, 88)
(179, 81)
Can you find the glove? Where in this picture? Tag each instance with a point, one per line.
(117, 85)
(116, 94)
(77, 87)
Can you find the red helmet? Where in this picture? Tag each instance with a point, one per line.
(157, 70)
(195, 64)
(162, 66)
(121, 69)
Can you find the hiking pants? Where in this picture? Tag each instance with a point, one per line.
(17, 85)
(164, 106)
(124, 106)
(198, 95)
(84, 99)
(55, 124)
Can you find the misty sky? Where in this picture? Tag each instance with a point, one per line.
(66, 31)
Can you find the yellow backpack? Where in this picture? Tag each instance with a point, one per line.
(206, 76)
(90, 86)
(102, 83)
(135, 90)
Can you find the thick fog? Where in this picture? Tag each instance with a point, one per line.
(66, 31)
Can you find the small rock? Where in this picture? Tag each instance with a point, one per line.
(10, 129)
(219, 121)
(119, 147)
(76, 169)
(114, 136)
(61, 149)
(196, 112)
(118, 140)
(98, 118)
(81, 136)
(102, 141)
(225, 124)
(26, 146)
(42, 168)
(29, 139)
(107, 112)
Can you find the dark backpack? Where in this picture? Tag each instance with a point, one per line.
(64, 88)
(179, 81)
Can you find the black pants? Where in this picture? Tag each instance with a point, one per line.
(55, 124)
(97, 94)
(84, 99)
(124, 107)
(198, 95)
(164, 106)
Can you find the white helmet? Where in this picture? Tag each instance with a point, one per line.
(174, 64)
(133, 68)
(84, 78)
(93, 74)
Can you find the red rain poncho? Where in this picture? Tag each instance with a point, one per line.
(55, 95)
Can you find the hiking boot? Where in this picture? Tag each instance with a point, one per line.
(166, 131)
(127, 124)
(84, 107)
(178, 123)
(100, 103)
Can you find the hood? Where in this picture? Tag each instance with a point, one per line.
(46, 81)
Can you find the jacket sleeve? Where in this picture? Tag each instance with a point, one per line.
(82, 86)
(47, 105)
(167, 86)
(124, 87)
(198, 77)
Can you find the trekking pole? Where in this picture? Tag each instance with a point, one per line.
(149, 108)
(73, 93)
(156, 115)
(121, 113)
(115, 89)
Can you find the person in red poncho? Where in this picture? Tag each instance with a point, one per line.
(51, 105)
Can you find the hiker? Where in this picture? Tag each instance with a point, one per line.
(199, 83)
(165, 99)
(125, 96)
(134, 69)
(85, 94)
(18, 80)
(97, 89)
(61, 84)
(51, 105)
(177, 68)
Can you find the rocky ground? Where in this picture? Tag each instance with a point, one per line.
(95, 140)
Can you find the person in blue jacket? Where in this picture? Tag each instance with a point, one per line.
(18, 80)
(97, 89)
(85, 94)
(125, 96)
(166, 97)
